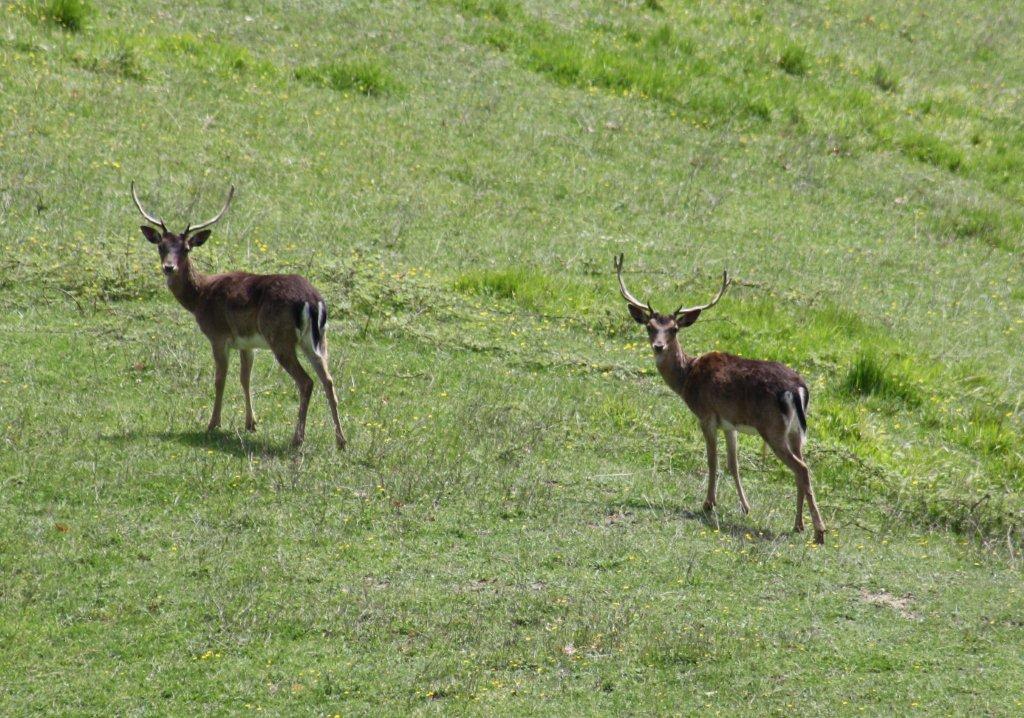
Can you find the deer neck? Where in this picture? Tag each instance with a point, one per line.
(185, 285)
(673, 365)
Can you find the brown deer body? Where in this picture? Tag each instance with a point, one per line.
(239, 311)
(731, 394)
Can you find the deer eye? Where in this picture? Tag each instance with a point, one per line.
(163, 251)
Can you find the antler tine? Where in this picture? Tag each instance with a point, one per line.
(149, 217)
(625, 292)
(713, 302)
(207, 223)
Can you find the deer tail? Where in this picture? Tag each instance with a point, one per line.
(312, 324)
(793, 404)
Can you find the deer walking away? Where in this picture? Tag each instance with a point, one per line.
(240, 311)
(731, 394)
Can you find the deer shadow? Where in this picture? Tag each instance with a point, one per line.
(221, 441)
(712, 519)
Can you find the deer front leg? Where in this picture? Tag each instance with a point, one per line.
(245, 373)
(734, 469)
(711, 442)
(220, 360)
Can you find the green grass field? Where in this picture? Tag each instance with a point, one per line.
(515, 528)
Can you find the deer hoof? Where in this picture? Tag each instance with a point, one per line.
(708, 506)
(213, 425)
(250, 425)
(798, 528)
(819, 537)
(745, 508)
(341, 444)
(297, 441)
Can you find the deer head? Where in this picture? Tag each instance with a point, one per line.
(174, 248)
(662, 328)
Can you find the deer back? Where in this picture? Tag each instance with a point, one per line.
(740, 392)
(243, 306)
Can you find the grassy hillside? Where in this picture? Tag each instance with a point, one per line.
(515, 528)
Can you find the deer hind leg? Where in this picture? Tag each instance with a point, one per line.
(734, 469)
(286, 357)
(711, 443)
(791, 457)
(798, 526)
(319, 362)
(812, 504)
(220, 360)
(245, 373)
(796, 441)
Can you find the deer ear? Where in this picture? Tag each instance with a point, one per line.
(638, 314)
(151, 234)
(688, 317)
(199, 237)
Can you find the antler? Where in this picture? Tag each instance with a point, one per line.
(149, 217)
(713, 302)
(625, 292)
(203, 225)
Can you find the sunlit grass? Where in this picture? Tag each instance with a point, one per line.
(516, 526)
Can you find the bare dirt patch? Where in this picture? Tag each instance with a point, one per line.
(900, 604)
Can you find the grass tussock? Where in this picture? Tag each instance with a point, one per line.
(123, 61)
(220, 56)
(872, 376)
(364, 76)
(987, 225)
(71, 15)
(928, 148)
(497, 9)
(884, 79)
(794, 60)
